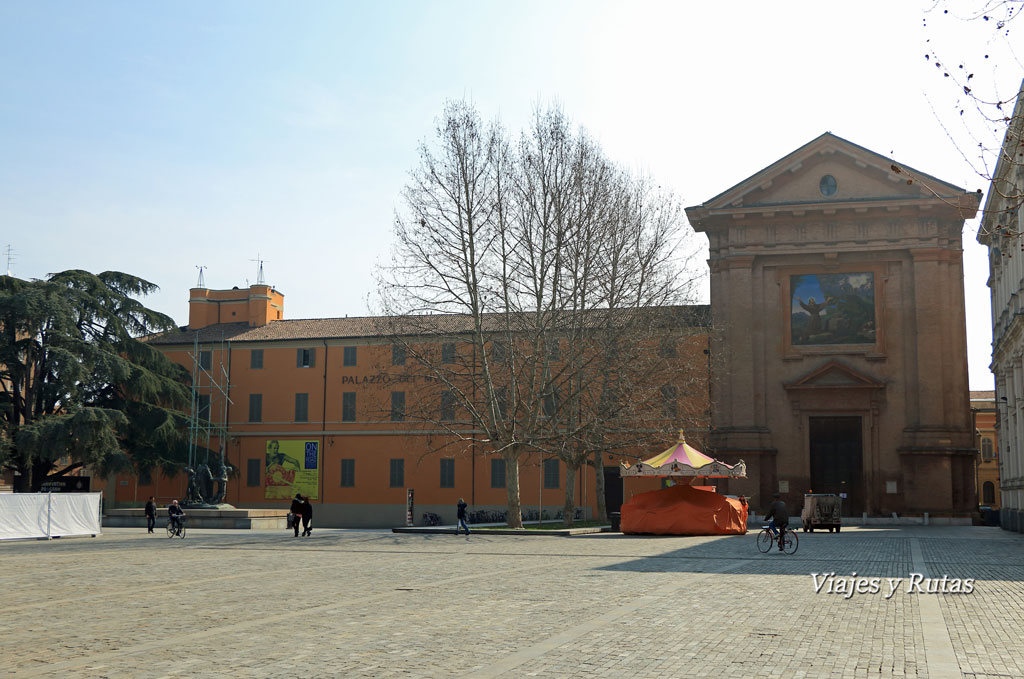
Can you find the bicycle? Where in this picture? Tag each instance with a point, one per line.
(176, 530)
(431, 519)
(788, 540)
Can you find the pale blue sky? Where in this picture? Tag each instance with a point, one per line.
(154, 137)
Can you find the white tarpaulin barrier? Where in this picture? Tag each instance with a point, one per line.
(48, 515)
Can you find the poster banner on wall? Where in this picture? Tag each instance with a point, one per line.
(292, 467)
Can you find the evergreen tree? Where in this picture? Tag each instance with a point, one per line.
(79, 386)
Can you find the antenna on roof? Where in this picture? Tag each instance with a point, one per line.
(11, 257)
(202, 282)
(259, 269)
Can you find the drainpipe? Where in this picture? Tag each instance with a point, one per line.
(323, 430)
(226, 433)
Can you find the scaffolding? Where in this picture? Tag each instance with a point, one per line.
(208, 478)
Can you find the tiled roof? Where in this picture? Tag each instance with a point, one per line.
(370, 326)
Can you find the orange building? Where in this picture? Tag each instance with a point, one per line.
(319, 405)
(983, 408)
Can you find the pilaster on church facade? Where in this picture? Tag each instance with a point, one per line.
(837, 294)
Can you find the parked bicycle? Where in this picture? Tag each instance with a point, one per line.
(769, 537)
(176, 528)
(431, 519)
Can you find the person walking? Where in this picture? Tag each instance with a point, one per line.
(462, 518)
(296, 510)
(307, 517)
(150, 514)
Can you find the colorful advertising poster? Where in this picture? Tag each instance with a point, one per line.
(292, 467)
(833, 308)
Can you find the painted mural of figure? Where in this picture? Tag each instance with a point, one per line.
(814, 309)
(275, 456)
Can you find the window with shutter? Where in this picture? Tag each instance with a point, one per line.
(255, 407)
(397, 406)
(348, 406)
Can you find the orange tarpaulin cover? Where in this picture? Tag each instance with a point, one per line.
(683, 510)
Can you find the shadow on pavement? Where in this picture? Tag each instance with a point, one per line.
(882, 552)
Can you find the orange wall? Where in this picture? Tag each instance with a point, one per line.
(372, 440)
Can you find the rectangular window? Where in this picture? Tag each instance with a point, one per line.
(348, 473)
(252, 472)
(397, 354)
(348, 406)
(203, 406)
(669, 394)
(398, 406)
(447, 406)
(499, 353)
(668, 348)
(551, 473)
(448, 352)
(447, 473)
(396, 477)
(501, 401)
(305, 358)
(550, 404)
(256, 359)
(302, 407)
(205, 359)
(553, 350)
(255, 407)
(348, 356)
(497, 473)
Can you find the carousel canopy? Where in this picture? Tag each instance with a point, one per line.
(682, 459)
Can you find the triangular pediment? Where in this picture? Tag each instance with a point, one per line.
(833, 375)
(830, 169)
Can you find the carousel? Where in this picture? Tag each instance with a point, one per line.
(684, 508)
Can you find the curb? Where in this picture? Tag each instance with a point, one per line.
(564, 532)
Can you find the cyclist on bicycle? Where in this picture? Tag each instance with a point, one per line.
(174, 512)
(779, 516)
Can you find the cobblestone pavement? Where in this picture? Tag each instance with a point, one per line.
(346, 603)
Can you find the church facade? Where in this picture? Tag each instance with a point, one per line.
(839, 339)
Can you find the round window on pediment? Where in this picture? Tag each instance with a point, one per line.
(827, 185)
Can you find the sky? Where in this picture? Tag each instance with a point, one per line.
(154, 138)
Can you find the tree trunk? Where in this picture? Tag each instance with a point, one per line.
(602, 508)
(22, 481)
(569, 508)
(515, 509)
(40, 470)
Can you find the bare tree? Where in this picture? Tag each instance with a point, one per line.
(983, 73)
(526, 282)
(454, 278)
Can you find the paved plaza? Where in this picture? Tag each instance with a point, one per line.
(346, 603)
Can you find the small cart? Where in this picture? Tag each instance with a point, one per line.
(822, 510)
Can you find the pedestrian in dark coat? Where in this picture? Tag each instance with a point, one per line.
(296, 511)
(150, 514)
(461, 516)
(307, 516)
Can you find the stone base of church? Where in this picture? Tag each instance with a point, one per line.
(938, 480)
